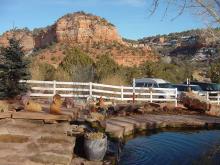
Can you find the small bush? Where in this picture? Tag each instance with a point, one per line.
(41, 71)
(114, 80)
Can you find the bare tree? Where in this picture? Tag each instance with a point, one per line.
(208, 9)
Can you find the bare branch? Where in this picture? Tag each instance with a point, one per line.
(212, 7)
(155, 6)
(181, 10)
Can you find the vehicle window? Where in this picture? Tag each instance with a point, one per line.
(184, 88)
(179, 88)
(139, 84)
(207, 86)
(215, 87)
(155, 85)
(148, 84)
(218, 87)
(196, 88)
(204, 87)
(165, 85)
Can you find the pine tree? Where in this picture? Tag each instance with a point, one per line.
(13, 67)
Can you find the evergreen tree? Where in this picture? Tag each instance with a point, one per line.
(13, 67)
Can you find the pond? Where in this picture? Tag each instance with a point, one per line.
(173, 147)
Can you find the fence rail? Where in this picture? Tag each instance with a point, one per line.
(213, 97)
(95, 90)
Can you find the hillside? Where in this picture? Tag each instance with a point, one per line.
(199, 47)
(85, 47)
(195, 45)
(93, 34)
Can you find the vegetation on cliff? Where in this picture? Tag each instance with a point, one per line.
(78, 66)
(214, 72)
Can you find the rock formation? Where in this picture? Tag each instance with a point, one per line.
(86, 28)
(45, 37)
(26, 37)
(93, 34)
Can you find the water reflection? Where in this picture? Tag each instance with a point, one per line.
(167, 148)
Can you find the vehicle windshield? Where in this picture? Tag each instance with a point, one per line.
(196, 88)
(215, 87)
(165, 85)
(218, 87)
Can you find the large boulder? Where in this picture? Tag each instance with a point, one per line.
(193, 101)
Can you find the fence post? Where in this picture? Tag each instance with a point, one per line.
(151, 96)
(122, 93)
(218, 97)
(207, 96)
(90, 89)
(54, 87)
(176, 97)
(133, 98)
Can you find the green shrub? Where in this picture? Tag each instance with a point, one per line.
(41, 71)
(214, 72)
(105, 66)
(116, 79)
(78, 65)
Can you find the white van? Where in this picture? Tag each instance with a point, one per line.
(155, 83)
(152, 83)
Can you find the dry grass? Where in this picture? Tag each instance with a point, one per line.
(114, 80)
(4, 106)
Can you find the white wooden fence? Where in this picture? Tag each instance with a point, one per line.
(94, 90)
(213, 97)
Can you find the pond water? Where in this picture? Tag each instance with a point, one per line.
(169, 147)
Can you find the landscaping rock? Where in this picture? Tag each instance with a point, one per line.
(81, 161)
(214, 110)
(31, 142)
(195, 102)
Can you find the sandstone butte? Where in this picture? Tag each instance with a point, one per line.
(93, 34)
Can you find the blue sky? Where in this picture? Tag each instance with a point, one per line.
(131, 17)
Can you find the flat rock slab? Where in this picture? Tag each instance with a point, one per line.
(27, 142)
(40, 116)
(4, 115)
(137, 123)
(150, 121)
(81, 161)
(128, 127)
(114, 129)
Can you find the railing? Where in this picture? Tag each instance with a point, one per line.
(213, 97)
(94, 90)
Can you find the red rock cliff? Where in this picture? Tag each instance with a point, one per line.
(26, 37)
(79, 27)
(86, 28)
(45, 37)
